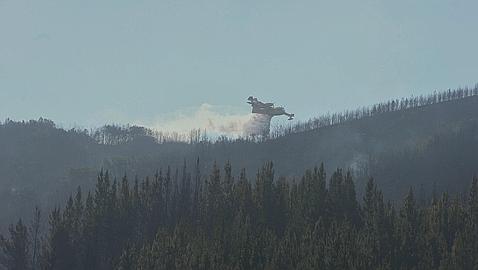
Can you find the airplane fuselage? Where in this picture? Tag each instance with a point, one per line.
(267, 108)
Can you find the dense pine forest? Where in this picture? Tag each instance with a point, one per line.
(180, 220)
(406, 197)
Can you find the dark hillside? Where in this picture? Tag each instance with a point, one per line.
(354, 143)
(414, 145)
(400, 148)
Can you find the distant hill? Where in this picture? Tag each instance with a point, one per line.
(426, 142)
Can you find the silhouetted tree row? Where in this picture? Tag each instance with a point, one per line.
(114, 134)
(120, 134)
(182, 220)
(368, 111)
(117, 134)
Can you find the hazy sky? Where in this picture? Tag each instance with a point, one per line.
(90, 62)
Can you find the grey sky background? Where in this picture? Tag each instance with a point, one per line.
(92, 62)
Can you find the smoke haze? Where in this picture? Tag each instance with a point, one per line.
(215, 121)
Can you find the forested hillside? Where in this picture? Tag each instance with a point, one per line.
(428, 142)
(185, 221)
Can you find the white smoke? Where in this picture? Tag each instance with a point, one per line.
(215, 120)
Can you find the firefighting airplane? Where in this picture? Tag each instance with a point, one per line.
(267, 108)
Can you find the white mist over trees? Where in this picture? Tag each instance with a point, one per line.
(215, 120)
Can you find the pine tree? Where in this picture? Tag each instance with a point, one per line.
(58, 253)
(15, 249)
(35, 235)
(408, 232)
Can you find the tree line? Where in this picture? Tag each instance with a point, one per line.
(379, 108)
(115, 134)
(181, 219)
